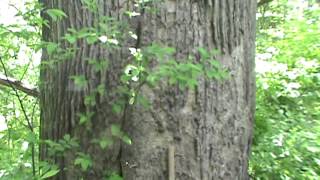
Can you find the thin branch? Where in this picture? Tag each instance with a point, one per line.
(171, 166)
(262, 2)
(24, 87)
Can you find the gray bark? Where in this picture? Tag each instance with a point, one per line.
(210, 127)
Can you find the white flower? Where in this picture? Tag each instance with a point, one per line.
(134, 36)
(264, 56)
(269, 14)
(3, 124)
(308, 64)
(103, 39)
(113, 41)
(135, 78)
(27, 165)
(2, 173)
(278, 141)
(133, 51)
(293, 85)
(25, 145)
(272, 50)
(263, 66)
(129, 68)
(265, 85)
(294, 93)
(310, 21)
(292, 89)
(132, 14)
(279, 67)
(258, 15)
(128, 71)
(279, 34)
(292, 75)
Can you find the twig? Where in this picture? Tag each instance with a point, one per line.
(171, 165)
(262, 2)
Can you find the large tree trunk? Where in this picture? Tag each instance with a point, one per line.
(210, 127)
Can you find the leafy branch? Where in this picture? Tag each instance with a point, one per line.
(29, 121)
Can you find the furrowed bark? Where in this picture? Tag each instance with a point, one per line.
(210, 127)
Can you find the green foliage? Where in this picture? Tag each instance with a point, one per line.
(80, 81)
(84, 118)
(287, 138)
(56, 14)
(47, 170)
(19, 45)
(84, 161)
(114, 176)
(103, 142)
(58, 148)
(117, 132)
(91, 5)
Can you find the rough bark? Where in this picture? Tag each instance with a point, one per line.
(210, 127)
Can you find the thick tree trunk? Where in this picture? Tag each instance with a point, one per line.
(210, 127)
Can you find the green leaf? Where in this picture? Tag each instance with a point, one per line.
(115, 176)
(204, 53)
(50, 173)
(84, 118)
(91, 5)
(51, 47)
(92, 39)
(126, 139)
(90, 100)
(31, 137)
(70, 38)
(117, 108)
(131, 101)
(143, 101)
(215, 63)
(105, 142)
(317, 161)
(101, 89)
(67, 137)
(56, 14)
(115, 130)
(84, 161)
(313, 149)
(79, 81)
(99, 65)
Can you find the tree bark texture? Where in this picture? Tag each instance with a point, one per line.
(210, 127)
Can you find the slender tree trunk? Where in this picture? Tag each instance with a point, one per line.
(210, 127)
